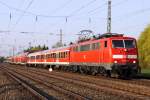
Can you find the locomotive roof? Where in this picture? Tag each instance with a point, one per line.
(101, 37)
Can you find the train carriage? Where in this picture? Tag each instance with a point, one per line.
(108, 54)
(50, 58)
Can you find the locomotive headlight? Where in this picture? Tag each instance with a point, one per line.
(117, 56)
(115, 62)
(132, 56)
(134, 62)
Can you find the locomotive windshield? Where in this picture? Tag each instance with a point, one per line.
(129, 43)
(123, 43)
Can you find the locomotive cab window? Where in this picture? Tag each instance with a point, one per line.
(117, 44)
(123, 43)
(129, 43)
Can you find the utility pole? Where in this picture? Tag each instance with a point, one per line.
(61, 36)
(109, 17)
(30, 45)
(13, 50)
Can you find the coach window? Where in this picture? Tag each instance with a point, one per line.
(67, 54)
(51, 55)
(55, 55)
(59, 55)
(105, 44)
(64, 55)
(32, 57)
(37, 57)
(42, 57)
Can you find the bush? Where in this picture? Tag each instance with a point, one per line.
(144, 48)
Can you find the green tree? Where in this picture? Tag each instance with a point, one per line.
(36, 48)
(144, 48)
(2, 59)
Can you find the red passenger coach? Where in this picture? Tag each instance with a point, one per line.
(19, 59)
(51, 58)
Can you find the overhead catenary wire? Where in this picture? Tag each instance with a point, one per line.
(82, 7)
(131, 14)
(61, 6)
(19, 19)
(78, 10)
(28, 12)
(93, 11)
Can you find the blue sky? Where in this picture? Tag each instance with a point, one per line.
(41, 18)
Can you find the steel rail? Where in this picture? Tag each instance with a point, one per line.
(36, 91)
(71, 94)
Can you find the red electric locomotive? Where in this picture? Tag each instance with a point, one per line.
(110, 54)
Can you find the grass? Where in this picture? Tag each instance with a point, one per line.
(145, 73)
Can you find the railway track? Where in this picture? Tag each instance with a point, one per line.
(36, 91)
(129, 89)
(139, 81)
(68, 93)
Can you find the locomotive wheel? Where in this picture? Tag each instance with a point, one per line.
(94, 71)
(114, 74)
(81, 70)
(102, 71)
(75, 68)
(65, 68)
(108, 72)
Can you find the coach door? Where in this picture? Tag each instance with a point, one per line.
(57, 57)
(103, 52)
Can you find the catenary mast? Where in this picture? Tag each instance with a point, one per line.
(109, 17)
